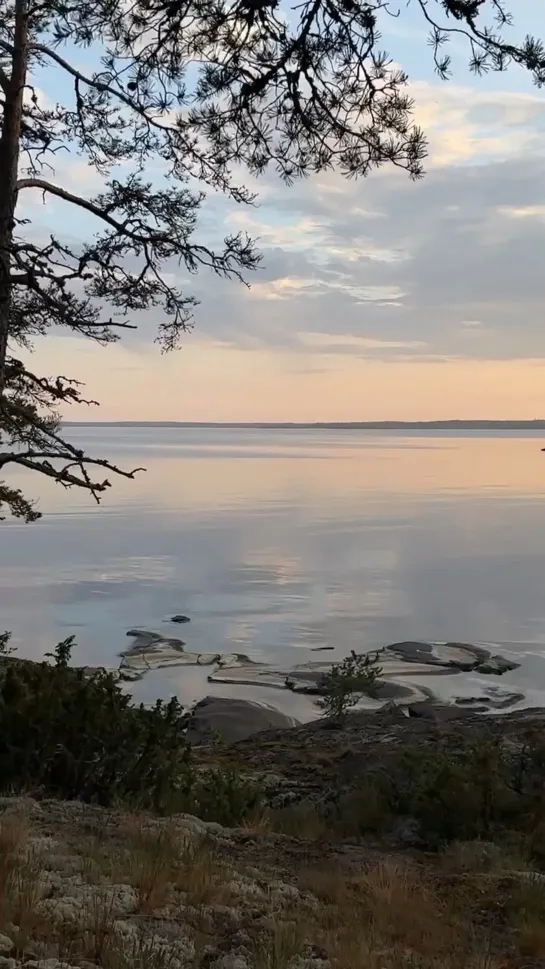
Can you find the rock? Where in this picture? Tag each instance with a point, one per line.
(306, 681)
(461, 656)
(180, 619)
(321, 649)
(493, 698)
(144, 635)
(440, 712)
(390, 690)
(407, 832)
(249, 676)
(6, 945)
(232, 719)
(496, 665)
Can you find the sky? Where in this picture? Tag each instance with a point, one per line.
(377, 299)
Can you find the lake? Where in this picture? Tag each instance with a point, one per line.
(276, 542)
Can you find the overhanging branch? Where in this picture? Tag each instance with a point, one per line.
(52, 189)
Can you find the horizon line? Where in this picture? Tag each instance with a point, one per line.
(476, 424)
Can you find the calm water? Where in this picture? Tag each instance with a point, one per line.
(275, 542)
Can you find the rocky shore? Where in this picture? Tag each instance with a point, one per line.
(310, 881)
(409, 672)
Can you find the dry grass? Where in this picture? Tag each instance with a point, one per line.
(527, 907)
(152, 856)
(13, 840)
(283, 943)
(142, 952)
(300, 821)
(258, 823)
(481, 857)
(202, 876)
(96, 938)
(389, 917)
(392, 914)
(20, 889)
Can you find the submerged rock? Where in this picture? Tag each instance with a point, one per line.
(233, 719)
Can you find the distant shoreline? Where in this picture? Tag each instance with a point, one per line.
(535, 425)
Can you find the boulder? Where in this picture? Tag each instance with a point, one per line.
(232, 719)
(496, 665)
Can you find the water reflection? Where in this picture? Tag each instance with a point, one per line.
(278, 541)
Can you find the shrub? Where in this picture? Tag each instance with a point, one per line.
(65, 733)
(347, 682)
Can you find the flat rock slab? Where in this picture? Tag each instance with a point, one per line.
(463, 656)
(233, 719)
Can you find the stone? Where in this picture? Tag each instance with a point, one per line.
(407, 832)
(390, 690)
(180, 619)
(493, 698)
(496, 665)
(461, 656)
(232, 719)
(6, 945)
(440, 712)
(310, 682)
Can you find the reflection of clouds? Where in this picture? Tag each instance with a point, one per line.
(341, 544)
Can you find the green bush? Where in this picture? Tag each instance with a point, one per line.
(347, 682)
(67, 734)
(456, 790)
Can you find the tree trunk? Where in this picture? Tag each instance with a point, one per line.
(9, 160)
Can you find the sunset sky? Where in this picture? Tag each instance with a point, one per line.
(377, 299)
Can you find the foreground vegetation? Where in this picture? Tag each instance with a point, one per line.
(90, 887)
(69, 733)
(416, 846)
(74, 734)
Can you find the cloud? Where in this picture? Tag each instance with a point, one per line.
(442, 272)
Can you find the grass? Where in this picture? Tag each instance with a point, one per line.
(284, 941)
(448, 911)
(151, 857)
(300, 820)
(20, 890)
(390, 916)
